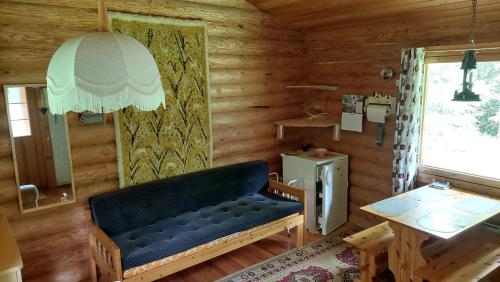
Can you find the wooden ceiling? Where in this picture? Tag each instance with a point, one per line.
(305, 14)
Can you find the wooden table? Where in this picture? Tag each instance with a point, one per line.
(10, 259)
(424, 212)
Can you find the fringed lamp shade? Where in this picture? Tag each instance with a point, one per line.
(103, 72)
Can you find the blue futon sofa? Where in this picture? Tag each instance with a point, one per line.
(151, 230)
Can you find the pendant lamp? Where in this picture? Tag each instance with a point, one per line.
(468, 64)
(103, 72)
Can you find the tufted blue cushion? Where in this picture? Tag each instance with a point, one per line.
(133, 207)
(176, 234)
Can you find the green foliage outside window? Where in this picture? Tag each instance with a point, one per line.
(487, 119)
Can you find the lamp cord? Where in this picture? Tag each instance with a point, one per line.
(315, 116)
(473, 26)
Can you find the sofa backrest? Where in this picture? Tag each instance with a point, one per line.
(136, 206)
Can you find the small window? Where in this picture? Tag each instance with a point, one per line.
(18, 112)
(462, 136)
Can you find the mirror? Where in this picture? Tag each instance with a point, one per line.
(40, 149)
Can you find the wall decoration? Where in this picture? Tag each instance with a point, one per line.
(352, 113)
(387, 73)
(176, 139)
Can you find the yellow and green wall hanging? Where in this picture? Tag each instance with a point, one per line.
(176, 139)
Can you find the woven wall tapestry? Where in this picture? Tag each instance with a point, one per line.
(176, 139)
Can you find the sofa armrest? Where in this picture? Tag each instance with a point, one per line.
(283, 188)
(275, 186)
(104, 252)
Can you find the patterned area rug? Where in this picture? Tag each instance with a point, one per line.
(329, 259)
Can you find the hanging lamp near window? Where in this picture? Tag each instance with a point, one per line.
(103, 72)
(468, 64)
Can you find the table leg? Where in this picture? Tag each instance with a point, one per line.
(404, 252)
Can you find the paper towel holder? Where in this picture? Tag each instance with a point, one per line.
(381, 99)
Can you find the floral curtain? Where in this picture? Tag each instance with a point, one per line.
(408, 119)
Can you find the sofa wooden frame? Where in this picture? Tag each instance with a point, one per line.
(105, 254)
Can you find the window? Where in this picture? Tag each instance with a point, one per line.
(462, 136)
(18, 111)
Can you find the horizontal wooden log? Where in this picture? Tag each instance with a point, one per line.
(365, 90)
(86, 191)
(372, 169)
(74, 120)
(252, 145)
(369, 154)
(251, 89)
(254, 62)
(362, 196)
(371, 183)
(21, 36)
(233, 134)
(6, 168)
(254, 76)
(91, 155)
(4, 124)
(233, 46)
(49, 16)
(236, 104)
(252, 32)
(367, 139)
(10, 209)
(170, 8)
(257, 116)
(22, 73)
(8, 190)
(373, 81)
(272, 156)
(5, 146)
(52, 39)
(80, 137)
(357, 69)
(240, 4)
(90, 174)
(357, 54)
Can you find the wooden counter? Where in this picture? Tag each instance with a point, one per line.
(10, 258)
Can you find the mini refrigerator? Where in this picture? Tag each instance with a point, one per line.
(325, 181)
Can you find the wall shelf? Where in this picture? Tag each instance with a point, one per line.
(306, 122)
(318, 87)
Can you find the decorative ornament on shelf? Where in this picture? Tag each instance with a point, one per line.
(315, 112)
(468, 64)
(387, 73)
(103, 72)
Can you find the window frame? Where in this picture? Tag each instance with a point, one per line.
(10, 119)
(426, 174)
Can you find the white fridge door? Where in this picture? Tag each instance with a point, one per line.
(328, 215)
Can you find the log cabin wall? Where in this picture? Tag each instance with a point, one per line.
(350, 52)
(251, 61)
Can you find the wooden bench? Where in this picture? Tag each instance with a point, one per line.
(471, 257)
(372, 243)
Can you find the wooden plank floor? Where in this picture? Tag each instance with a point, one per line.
(240, 259)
